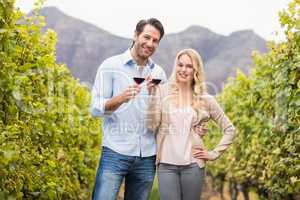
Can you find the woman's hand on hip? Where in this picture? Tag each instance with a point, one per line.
(201, 153)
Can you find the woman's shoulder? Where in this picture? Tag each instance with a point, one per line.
(207, 97)
(210, 100)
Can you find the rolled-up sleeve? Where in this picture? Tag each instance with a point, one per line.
(102, 90)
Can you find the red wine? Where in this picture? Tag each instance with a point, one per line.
(138, 80)
(156, 81)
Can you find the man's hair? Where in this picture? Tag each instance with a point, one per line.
(153, 22)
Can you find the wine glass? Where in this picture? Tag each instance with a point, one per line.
(138, 80)
(156, 81)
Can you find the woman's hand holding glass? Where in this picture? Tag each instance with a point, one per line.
(151, 84)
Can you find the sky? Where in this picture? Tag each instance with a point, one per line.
(119, 17)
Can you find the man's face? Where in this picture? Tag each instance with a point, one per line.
(146, 42)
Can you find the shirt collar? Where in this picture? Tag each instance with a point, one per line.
(128, 60)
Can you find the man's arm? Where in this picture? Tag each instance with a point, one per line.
(102, 101)
(115, 102)
(102, 90)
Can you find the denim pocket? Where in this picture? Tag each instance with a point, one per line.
(113, 161)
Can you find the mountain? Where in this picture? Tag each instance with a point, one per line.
(83, 46)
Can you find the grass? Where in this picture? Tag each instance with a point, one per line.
(155, 194)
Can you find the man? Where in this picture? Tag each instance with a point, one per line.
(128, 147)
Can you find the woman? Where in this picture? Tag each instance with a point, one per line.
(176, 110)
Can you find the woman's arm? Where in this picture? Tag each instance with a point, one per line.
(154, 110)
(218, 115)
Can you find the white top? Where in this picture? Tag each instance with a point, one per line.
(177, 148)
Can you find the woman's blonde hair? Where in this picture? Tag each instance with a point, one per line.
(198, 84)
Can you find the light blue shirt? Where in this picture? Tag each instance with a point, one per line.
(124, 130)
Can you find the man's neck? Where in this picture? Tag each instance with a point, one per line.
(139, 61)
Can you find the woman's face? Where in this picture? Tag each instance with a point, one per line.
(184, 69)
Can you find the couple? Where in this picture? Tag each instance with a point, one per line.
(148, 124)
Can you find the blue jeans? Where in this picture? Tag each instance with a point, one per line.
(138, 172)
